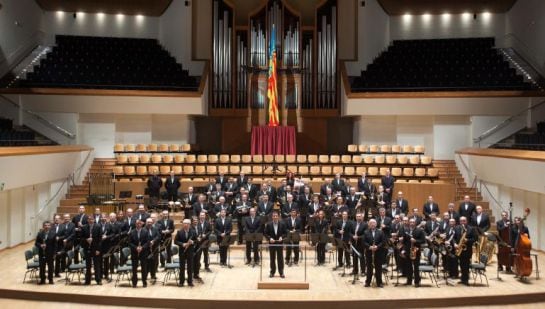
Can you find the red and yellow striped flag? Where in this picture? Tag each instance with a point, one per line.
(272, 90)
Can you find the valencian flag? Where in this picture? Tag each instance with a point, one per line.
(272, 91)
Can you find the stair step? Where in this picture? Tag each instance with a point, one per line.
(72, 201)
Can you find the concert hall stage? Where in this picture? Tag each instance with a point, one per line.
(237, 286)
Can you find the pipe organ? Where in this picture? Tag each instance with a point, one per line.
(306, 57)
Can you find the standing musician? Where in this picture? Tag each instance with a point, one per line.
(142, 214)
(154, 187)
(139, 242)
(203, 233)
(412, 239)
(320, 226)
(251, 188)
(202, 205)
(396, 230)
(357, 240)
(289, 206)
(480, 220)
(451, 259)
(69, 236)
(189, 199)
(185, 239)
(265, 207)
(387, 182)
(402, 203)
(504, 251)
(326, 186)
(155, 244)
(452, 214)
(60, 234)
(382, 198)
(165, 226)
(363, 182)
(242, 210)
(373, 242)
(429, 207)
(275, 232)
(464, 247)
(222, 180)
(384, 222)
(231, 190)
(305, 199)
(517, 230)
(343, 230)
(338, 184)
(91, 235)
(223, 228)
(79, 221)
(46, 243)
(294, 226)
(394, 210)
(467, 208)
(417, 218)
(252, 224)
(222, 205)
(110, 236)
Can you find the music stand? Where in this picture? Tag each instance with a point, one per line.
(254, 238)
(338, 244)
(228, 241)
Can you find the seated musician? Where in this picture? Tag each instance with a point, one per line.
(315, 206)
(204, 229)
(504, 251)
(223, 228)
(373, 242)
(47, 246)
(252, 224)
(343, 230)
(357, 241)
(251, 189)
(288, 206)
(265, 207)
(339, 207)
(271, 191)
(293, 223)
(242, 179)
(413, 239)
(222, 205)
(185, 240)
(141, 213)
(282, 189)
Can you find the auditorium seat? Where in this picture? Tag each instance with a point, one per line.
(168, 159)
(382, 171)
(141, 148)
(335, 159)
(177, 169)
(349, 170)
(363, 148)
(385, 148)
(267, 159)
(402, 159)
(327, 170)
(312, 159)
(186, 148)
(223, 158)
(337, 169)
(235, 159)
(153, 169)
(379, 159)
(117, 170)
(396, 148)
(425, 160)
(360, 170)
(324, 159)
(213, 159)
(372, 171)
(433, 172)
(257, 158)
(390, 159)
(200, 170)
(129, 170)
(408, 149)
(190, 158)
(279, 158)
(315, 170)
(301, 159)
(164, 169)
(202, 159)
(303, 170)
(179, 159)
(152, 147)
(223, 169)
(245, 159)
(396, 172)
(234, 169)
(119, 148)
(130, 148)
(368, 159)
(352, 148)
(163, 148)
(174, 148)
(419, 172)
(134, 159)
(156, 159)
(246, 169)
(188, 170)
(346, 159)
(211, 170)
(414, 160)
(419, 149)
(122, 159)
(408, 172)
(290, 158)
(357, 159)
(144, 158)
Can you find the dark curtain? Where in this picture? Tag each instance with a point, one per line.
(273, 140)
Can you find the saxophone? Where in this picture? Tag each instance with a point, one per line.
(413, 250)
(462, 246)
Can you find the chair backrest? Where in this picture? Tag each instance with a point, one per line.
(119, 147)
(174, 148)
(28, 255)
(126, 252)
(357, 159)
(174, 250)
(212, 158)
(312, 158)
(130, 148)
(235, 158)
(188, 169)
(323, 158)
(178, 158)
(396, 148)
(168, 159)
(152, 147)
(266, 159)
(202, 158)
(373, 148)
(363, 148)
(385, 148)
(279, 158)
(301, 158)
(224, 158)
(70, 257)
(352, 148)
(122, 159)
(335, 159)
(257, 158)
(190, 158)
(290, 158)
(163, 148)
(144, 158)
(141, 148)
(164, 169)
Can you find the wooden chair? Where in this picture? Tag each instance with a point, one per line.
(414, 160)
(337, 169)
(352, 148)
(315, 170)
(164, 169)
(301, 159)
(200, 170)
(234, 169)
(129, 170)
(257, 169)
(382, 171)
(385, 148)
(211, 170)
(141, 148)
(290, 159)
(245, 159)
(397, 172)
(291, 168)
(186, 148)
(360, 170)
(188, 170)
(396, 149)
(372, 171)
(152, 147)
(190, 158)
(224, 158)
(202, 159)
(425, 160)
(174, 148)
(213, 159)
(303, 170)
(324, 159)
(177, 169)
(312, 159)
(156, 159)
(163, 148)
(257, 158)
(246, 169)
(168, 159)
(433, 172)
(346, 159)
(419, 149)
(236, 159)
(357, 159)
(119, 148)
(390, 159)
(420, 172)
(379, 160)
(122, 159)
(335, 159)
(349, 171)
(152, 169)
(368, 160)
(270, 171)
(402, 159)
(117, 170)
(145, 158)
(130, 148)
(179, 159)
(267, 159)
(363, 148)
(327, 170)
(408, 172)
(373, 148)
(134, 159)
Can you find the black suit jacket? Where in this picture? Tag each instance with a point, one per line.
(388, 183)
(320, 227)
(141, 216)
(468, 213)
(281, 231)
(418, 234)
(427, 211)
(181, 239)
(250, 227)
(297, 225)
(168, 226)
(222, 181)
(351, 203)
(286, 208)
(154, 185)
(403, 205)
(379, 240)
(220, 227)
(265, 209)
(50, 243)
(359, 231)
(143, 241)
(387, 223)
(338, 185)
(172, 187)
(484, 225)
(348, 230)
(95, 233)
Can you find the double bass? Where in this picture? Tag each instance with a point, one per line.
(523, 261)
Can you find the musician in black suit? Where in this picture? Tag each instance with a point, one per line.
(412, 239)
(384, 222)
(107, 234)
(393, 210)
(139, 242)
(464, 259)
(172, 184)
(91, 238)
(357, 240)
(293, 224)
(451, 260)
(480, 220)
(265, 207)
(155, 243)
(304, 200)
(432, 225)
(402, 203)
(467, 208)
(252, 224)
(241, 212)
(320, 226)
(142, 214)
(97, 215)
(363, 182)
(430, 207)
(417, 218)
(165, 227)
(327, 185)
(452, 214)
(387, 182)
(338, 183)
(185, 240)
(69, 234)
(343, 230)
(242, 179)
(110, 236)
(352, 201)
(204, 229)
(60, 258)
(154, 186)
(373, 242)
(222, 180)
(202, 205)
(79, 221)
(289, 206)
(517, 229)
(275, 232)
(46, 243)
(223, 228)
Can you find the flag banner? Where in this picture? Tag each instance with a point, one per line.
(272, 90)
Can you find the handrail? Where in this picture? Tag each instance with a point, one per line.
(66, 181)
(41, 119)
(529, 54)
(504, 123)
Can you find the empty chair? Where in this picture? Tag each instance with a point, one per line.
(357, 159)
(327, 170)
(368, 159)
(281, 170)
(235, 159)
(291, 168)
(420, 172)
(385, 148)
(373, 148)
(396, 148)
(153, 169)
(141, 148)
(185, 148)
(179, 158)
(267, 159)
(122, 159)
(301, 159)
(163, 148)
(202, 159)
(223, 158)
(177, 169)
(134, 159)
(360, 170)
(190, 158)
(174, 148)
(352, 148)
(414, 160)
(346, 159)
(246, 169)
(382, 171)
(408, 172)
(168, 159)
(213, 158)
(312, 158)
(303, 170)
(144, 158)
(200, 170)
(164, 169)
(396, 172)
(315, 170)
(337, 169)
(279, 158)
(408, 149)
(223, 169)
(402, 159)
(290, 158)
(323, 159)
(234, 169)
(188, 170)
(380, 160)
(363, 148)
(433, 172)
(257, 169)
(130, 148)
(152, 147)
(426, 160)
(211, 169)
(335, 159)
(391, 159)
(372, 171)
(117, 170)
(119, 148)
(349, 170)
(419, 149)
(129, 170)
(156, 159)
(257, 158)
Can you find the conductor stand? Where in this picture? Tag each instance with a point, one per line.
(283, 284)
(255, 240)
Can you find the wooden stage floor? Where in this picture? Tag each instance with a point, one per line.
(234, 287)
